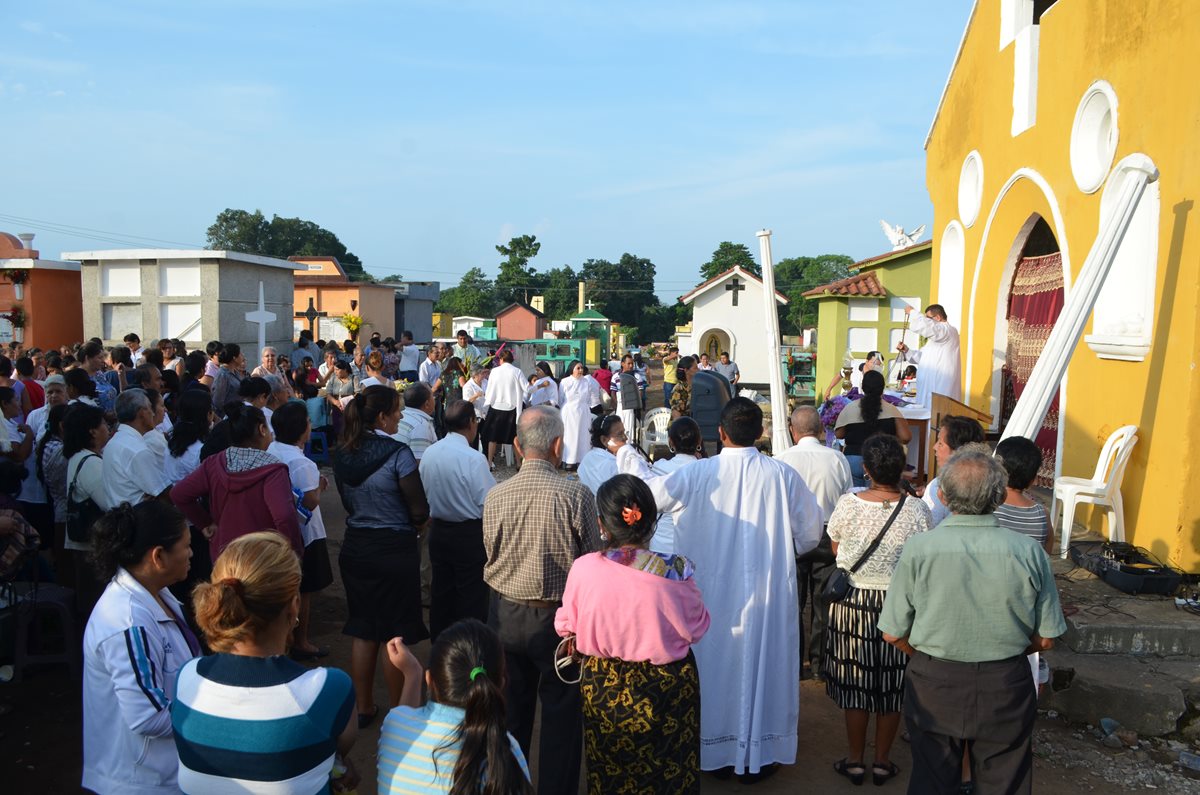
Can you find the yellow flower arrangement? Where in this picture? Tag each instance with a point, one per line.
(352, 322)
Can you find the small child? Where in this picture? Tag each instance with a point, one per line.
(457, 741)
(318, 409)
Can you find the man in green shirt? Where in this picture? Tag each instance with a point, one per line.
(969, 600)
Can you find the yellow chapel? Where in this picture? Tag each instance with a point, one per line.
(1063, 164)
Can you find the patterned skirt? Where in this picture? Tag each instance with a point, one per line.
(641, 726)
(862, 670)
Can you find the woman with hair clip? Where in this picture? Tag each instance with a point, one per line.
(374, 367)
(380, 560)
(600, 463)
(463, 722)
(247, 712)
(242, 489)
(635, 615)
(135, 643)
(866, 417)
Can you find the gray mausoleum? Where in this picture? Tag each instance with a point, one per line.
(192, 295)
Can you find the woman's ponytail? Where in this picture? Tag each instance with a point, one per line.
(467, 669)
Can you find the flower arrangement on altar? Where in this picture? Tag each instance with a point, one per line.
(352, 323)
(401, 384)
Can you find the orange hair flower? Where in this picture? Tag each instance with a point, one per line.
(631, 514)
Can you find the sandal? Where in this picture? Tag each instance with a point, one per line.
(844, 767)
(365, 719)
(890, 771)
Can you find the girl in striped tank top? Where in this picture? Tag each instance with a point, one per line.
(456, 743)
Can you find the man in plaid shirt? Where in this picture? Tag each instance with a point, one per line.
(534, 527)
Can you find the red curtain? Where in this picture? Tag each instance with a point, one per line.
(1033, 305)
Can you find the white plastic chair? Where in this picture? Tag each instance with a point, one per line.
(654, 429)
(1104, 487)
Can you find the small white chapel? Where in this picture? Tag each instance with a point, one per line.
(727, 316)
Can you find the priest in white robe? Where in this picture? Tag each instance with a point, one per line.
(742, 519)
(939, 365)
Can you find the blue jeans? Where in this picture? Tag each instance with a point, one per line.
(857, 471)
(667, 390)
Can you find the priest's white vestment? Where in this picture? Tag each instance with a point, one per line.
(742, 519)
(939, 366)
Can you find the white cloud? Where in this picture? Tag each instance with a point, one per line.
(507, 232)
(58, 93)
(26, 63)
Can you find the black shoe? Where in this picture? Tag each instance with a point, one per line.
(750, 779)
(721, 773)
(855, 771)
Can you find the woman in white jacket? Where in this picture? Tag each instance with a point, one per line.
(135, 643)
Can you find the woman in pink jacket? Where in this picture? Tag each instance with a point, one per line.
(242, 489)
(635, 615)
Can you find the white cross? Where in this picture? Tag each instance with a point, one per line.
(262, 317)
(590, 305)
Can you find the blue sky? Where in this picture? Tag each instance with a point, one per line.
(424, 133)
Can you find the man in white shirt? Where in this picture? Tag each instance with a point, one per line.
(502, 399)
(130, 472)
(826, 472)
(465, 349)
(939, 364)
(627, 387)
(409, 355)
(457, 479)
(416, 425)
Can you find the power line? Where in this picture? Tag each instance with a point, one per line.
(87, 232)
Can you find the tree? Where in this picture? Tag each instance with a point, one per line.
(391, 278)
(238, 230)
(561, 291)
(795, 275)
(621, 290)
(658, 324)
(725, 257)
(475, 295)
(517, 281)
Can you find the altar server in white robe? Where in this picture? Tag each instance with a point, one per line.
(939, 366)
(742, 518)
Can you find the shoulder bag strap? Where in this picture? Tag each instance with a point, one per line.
(78, 469)
(874, 544)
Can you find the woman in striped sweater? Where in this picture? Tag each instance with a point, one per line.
(248, 718)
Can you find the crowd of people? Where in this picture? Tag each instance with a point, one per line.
(655, 612)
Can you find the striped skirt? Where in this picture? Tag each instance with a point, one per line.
(862, 670)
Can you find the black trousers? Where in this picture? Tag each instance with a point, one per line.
(988, 707)
(529, 641)
(456, 556)
(813, 569)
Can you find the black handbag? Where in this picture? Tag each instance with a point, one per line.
(838, 584)
(81, 515)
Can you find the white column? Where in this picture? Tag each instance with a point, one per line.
(1051, 366)
(780, 439)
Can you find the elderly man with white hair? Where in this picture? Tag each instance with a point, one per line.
(968, 601)
(131, 471)
(535, 524)
(827, 474)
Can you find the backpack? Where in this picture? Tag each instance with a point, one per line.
(81, 515)
(631, 395)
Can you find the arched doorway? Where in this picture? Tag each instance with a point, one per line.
(1035, 299)
(713, 342)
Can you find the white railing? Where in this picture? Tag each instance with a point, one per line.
(1051, 366)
